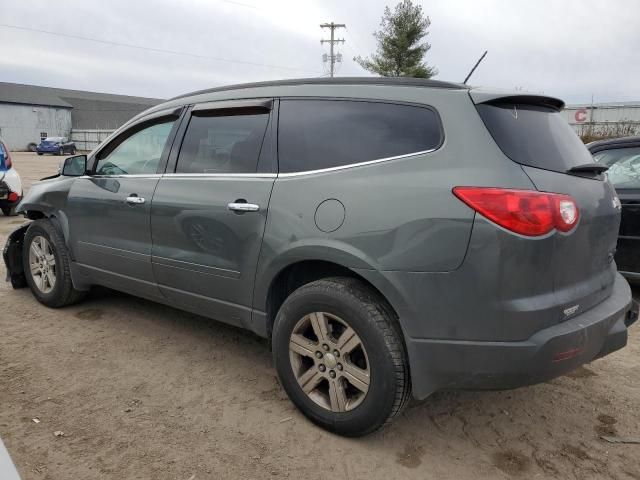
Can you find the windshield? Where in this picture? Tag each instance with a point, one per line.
(53, 139)
(624, 166)
(534, 135)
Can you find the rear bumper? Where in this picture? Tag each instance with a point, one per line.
(551, 352)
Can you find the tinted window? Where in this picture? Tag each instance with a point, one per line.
(316, 134)
(624, 166)
(138, 154)
(534, 135)
(223, 143)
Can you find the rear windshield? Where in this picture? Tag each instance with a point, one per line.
(534, 135)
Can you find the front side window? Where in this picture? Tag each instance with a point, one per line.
(138, 154)
(624, 166)
(222, 142)
(318, 134)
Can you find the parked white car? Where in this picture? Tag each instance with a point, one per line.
(10, 183)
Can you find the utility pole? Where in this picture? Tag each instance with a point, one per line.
(331, 42)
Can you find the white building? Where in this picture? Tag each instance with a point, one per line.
(616, 118)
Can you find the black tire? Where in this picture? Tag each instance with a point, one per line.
(372, 320)
(18, 281)
(39, 153)
(9, 211)
(63, 292)
(73, 151)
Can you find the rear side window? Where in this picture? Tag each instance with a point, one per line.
(223, 143)
(318, 134)
(534, 135)
(624, 166)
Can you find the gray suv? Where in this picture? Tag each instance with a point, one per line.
(392, 237)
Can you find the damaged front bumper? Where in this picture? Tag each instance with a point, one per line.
(12, 255)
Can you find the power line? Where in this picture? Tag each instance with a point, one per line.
(151, 49)
(332, 58)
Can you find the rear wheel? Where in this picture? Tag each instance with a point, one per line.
(339, 356)
(46, 265)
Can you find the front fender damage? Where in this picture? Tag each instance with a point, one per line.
(12, 255)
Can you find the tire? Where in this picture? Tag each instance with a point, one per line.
(344, 303)
(39, 153)
(18, 281)
(9, 211)
(32, 147)
(60, 151)
(73, 151)
(62, 292)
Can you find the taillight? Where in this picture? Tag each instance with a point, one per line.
(526, 212)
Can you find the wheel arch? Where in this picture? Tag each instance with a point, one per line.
(300, 271)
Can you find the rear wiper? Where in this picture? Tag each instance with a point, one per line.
(589, 168)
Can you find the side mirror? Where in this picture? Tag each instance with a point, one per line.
(74, 166)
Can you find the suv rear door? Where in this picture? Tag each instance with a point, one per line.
(531, 132)
(210, 207)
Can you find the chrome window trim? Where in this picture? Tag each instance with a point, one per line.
(185, 175)
(219, 175)
(354, 165)
(125, 175)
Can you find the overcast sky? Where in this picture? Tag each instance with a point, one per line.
(570, 48)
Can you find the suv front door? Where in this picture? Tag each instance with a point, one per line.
(109, 210)
(209, 210)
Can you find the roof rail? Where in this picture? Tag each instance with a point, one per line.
(391, 81)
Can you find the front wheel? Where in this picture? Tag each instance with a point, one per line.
(339, 355)
(46, 264)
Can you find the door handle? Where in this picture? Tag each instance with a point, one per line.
(243, 206)
(134, 200)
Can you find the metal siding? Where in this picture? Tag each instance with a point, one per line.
(22, 124)
(603, 116)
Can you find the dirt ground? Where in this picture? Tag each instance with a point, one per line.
(142, 391)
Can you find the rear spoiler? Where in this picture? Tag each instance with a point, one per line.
(479, 95)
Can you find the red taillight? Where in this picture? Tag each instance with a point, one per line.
(12, 197)
(526, 212)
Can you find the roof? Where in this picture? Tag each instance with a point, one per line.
(613, 142)
(59, 97)
(89, 110)
(389, 81)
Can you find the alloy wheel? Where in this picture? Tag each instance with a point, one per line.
(329, 362)
(42, 263)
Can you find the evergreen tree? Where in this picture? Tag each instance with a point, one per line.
(401, 48)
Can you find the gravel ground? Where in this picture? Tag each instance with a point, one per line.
(142, 391)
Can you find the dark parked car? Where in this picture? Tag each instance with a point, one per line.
(622, 156)
(56, 146)
(391, 237)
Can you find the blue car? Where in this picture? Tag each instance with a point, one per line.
(56, 146)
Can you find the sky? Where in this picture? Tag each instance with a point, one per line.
(573, 49)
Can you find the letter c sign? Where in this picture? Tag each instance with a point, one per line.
(581, 115)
